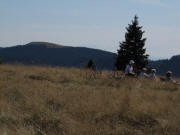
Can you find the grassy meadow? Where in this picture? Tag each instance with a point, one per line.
(37, 100)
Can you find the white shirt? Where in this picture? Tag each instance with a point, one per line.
(129, 69)
(143, 74)
(153, 76)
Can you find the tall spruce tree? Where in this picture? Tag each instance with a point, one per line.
(133, 47)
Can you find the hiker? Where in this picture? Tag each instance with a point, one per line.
(169, 77)
(129, 71)
(153, 74)
(143, 73)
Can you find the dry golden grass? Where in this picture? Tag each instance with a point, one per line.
(58, 101)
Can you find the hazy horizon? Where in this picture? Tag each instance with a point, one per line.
(94, 24)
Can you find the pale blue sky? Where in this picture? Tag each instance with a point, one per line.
(91, 23)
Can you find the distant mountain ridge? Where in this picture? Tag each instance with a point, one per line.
(44, 53)
(46, 44)
(172, 64)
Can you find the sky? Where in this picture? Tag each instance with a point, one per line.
(91, 23)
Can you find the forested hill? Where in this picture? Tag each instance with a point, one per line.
(43, 53)
(163, 66)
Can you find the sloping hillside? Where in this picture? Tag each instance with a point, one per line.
(43, 53)
(163, 66)
(59, 101)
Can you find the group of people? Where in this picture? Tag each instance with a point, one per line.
(129, 71)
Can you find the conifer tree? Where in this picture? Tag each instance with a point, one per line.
(0, 61)
(133, 47)
(91, 65)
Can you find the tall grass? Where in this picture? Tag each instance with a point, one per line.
(59, 101)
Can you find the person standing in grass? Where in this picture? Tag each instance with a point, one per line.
(129, 71)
